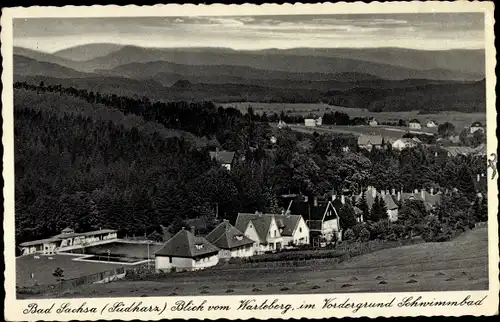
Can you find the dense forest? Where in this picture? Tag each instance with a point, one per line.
(374, 95)
(89, 172)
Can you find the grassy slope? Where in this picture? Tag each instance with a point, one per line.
(460, 264)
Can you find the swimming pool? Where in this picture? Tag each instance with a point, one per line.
(119, 251)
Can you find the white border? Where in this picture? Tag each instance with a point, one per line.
(14, 308)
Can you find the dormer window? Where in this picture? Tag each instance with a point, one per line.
(199, 246)
(240, 238)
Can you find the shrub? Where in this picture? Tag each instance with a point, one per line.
(349, 234)
(364, 235)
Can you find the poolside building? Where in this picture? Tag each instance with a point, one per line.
(68, 240)
(186, 252)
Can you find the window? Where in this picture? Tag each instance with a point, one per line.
(300, 229)
(170, 260)
(199, 246)
(275, 233)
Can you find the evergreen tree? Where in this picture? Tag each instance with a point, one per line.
(465, 183)
(363, 206)
(347, 216)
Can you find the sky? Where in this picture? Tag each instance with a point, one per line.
(427, 31)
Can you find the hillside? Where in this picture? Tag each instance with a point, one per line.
(28, 66)
(87, 52)
(462, 60)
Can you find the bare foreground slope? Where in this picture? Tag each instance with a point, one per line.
(460, 264)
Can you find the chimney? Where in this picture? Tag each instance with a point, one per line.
(315, 201)
(393, 191)
(334, 197)
(399, 195)
(422, 194)
(193, 231)
(432, 191)
(282, 212)
(183, 228)
(415, 191)
(342, 199)
(382, 193)
(478, 178)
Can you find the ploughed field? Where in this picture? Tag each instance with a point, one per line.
(461, 264)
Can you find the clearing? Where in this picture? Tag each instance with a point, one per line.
(461, 264)
(460, 120)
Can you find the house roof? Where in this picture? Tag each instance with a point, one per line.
(477, 124)
(185, 244)
(261, 223)
(431, 121)
(311, 211)
(459, 150)
(414, 121)
(40, 241)
(288, 223)
(224, 157)
(370, 199)
(226, 236)
(373, 139)
(67, 234)
(67, 230)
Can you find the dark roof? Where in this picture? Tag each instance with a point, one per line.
(477, 124)
(414, 121)
(185, 244)
(370, 199)
(226, 236)
(373, 139)
(224, 157)
(287, 222)
(310, 211)
(261, 223)
(40, 241)
(67, 230)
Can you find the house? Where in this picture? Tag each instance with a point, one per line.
(310, 122)
(321, 218)
(186, 252)
(372, 122)
(431, 124)
(273, 139)
(430, 199)
(282, 124)
(319, 121)
(293, 229)
(368, 142)
(371, 193)
(68, 240)
(415, 124)
(230, 241)
(476, 126)
(262, 229)
(225, 158)
(404, 143)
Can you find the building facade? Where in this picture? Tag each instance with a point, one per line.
(262, 229)
(186, 252)
(231, 241)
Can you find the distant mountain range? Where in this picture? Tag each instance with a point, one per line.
(387, 63)
(347, 77)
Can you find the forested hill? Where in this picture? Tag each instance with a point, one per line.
(89, 172)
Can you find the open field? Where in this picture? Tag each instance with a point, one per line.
(43, 267)
(384, 131)
(460, 120)
(460, 264)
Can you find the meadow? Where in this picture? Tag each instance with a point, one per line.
(422, 267)
(459, 119)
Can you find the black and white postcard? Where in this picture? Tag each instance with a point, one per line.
(243, 161)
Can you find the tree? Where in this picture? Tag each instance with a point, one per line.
(363, 206)
(58, 273)
(347, 216)
(446, 129)
(364, 235)
(349, 234)
(465, 183)
(412, 216)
